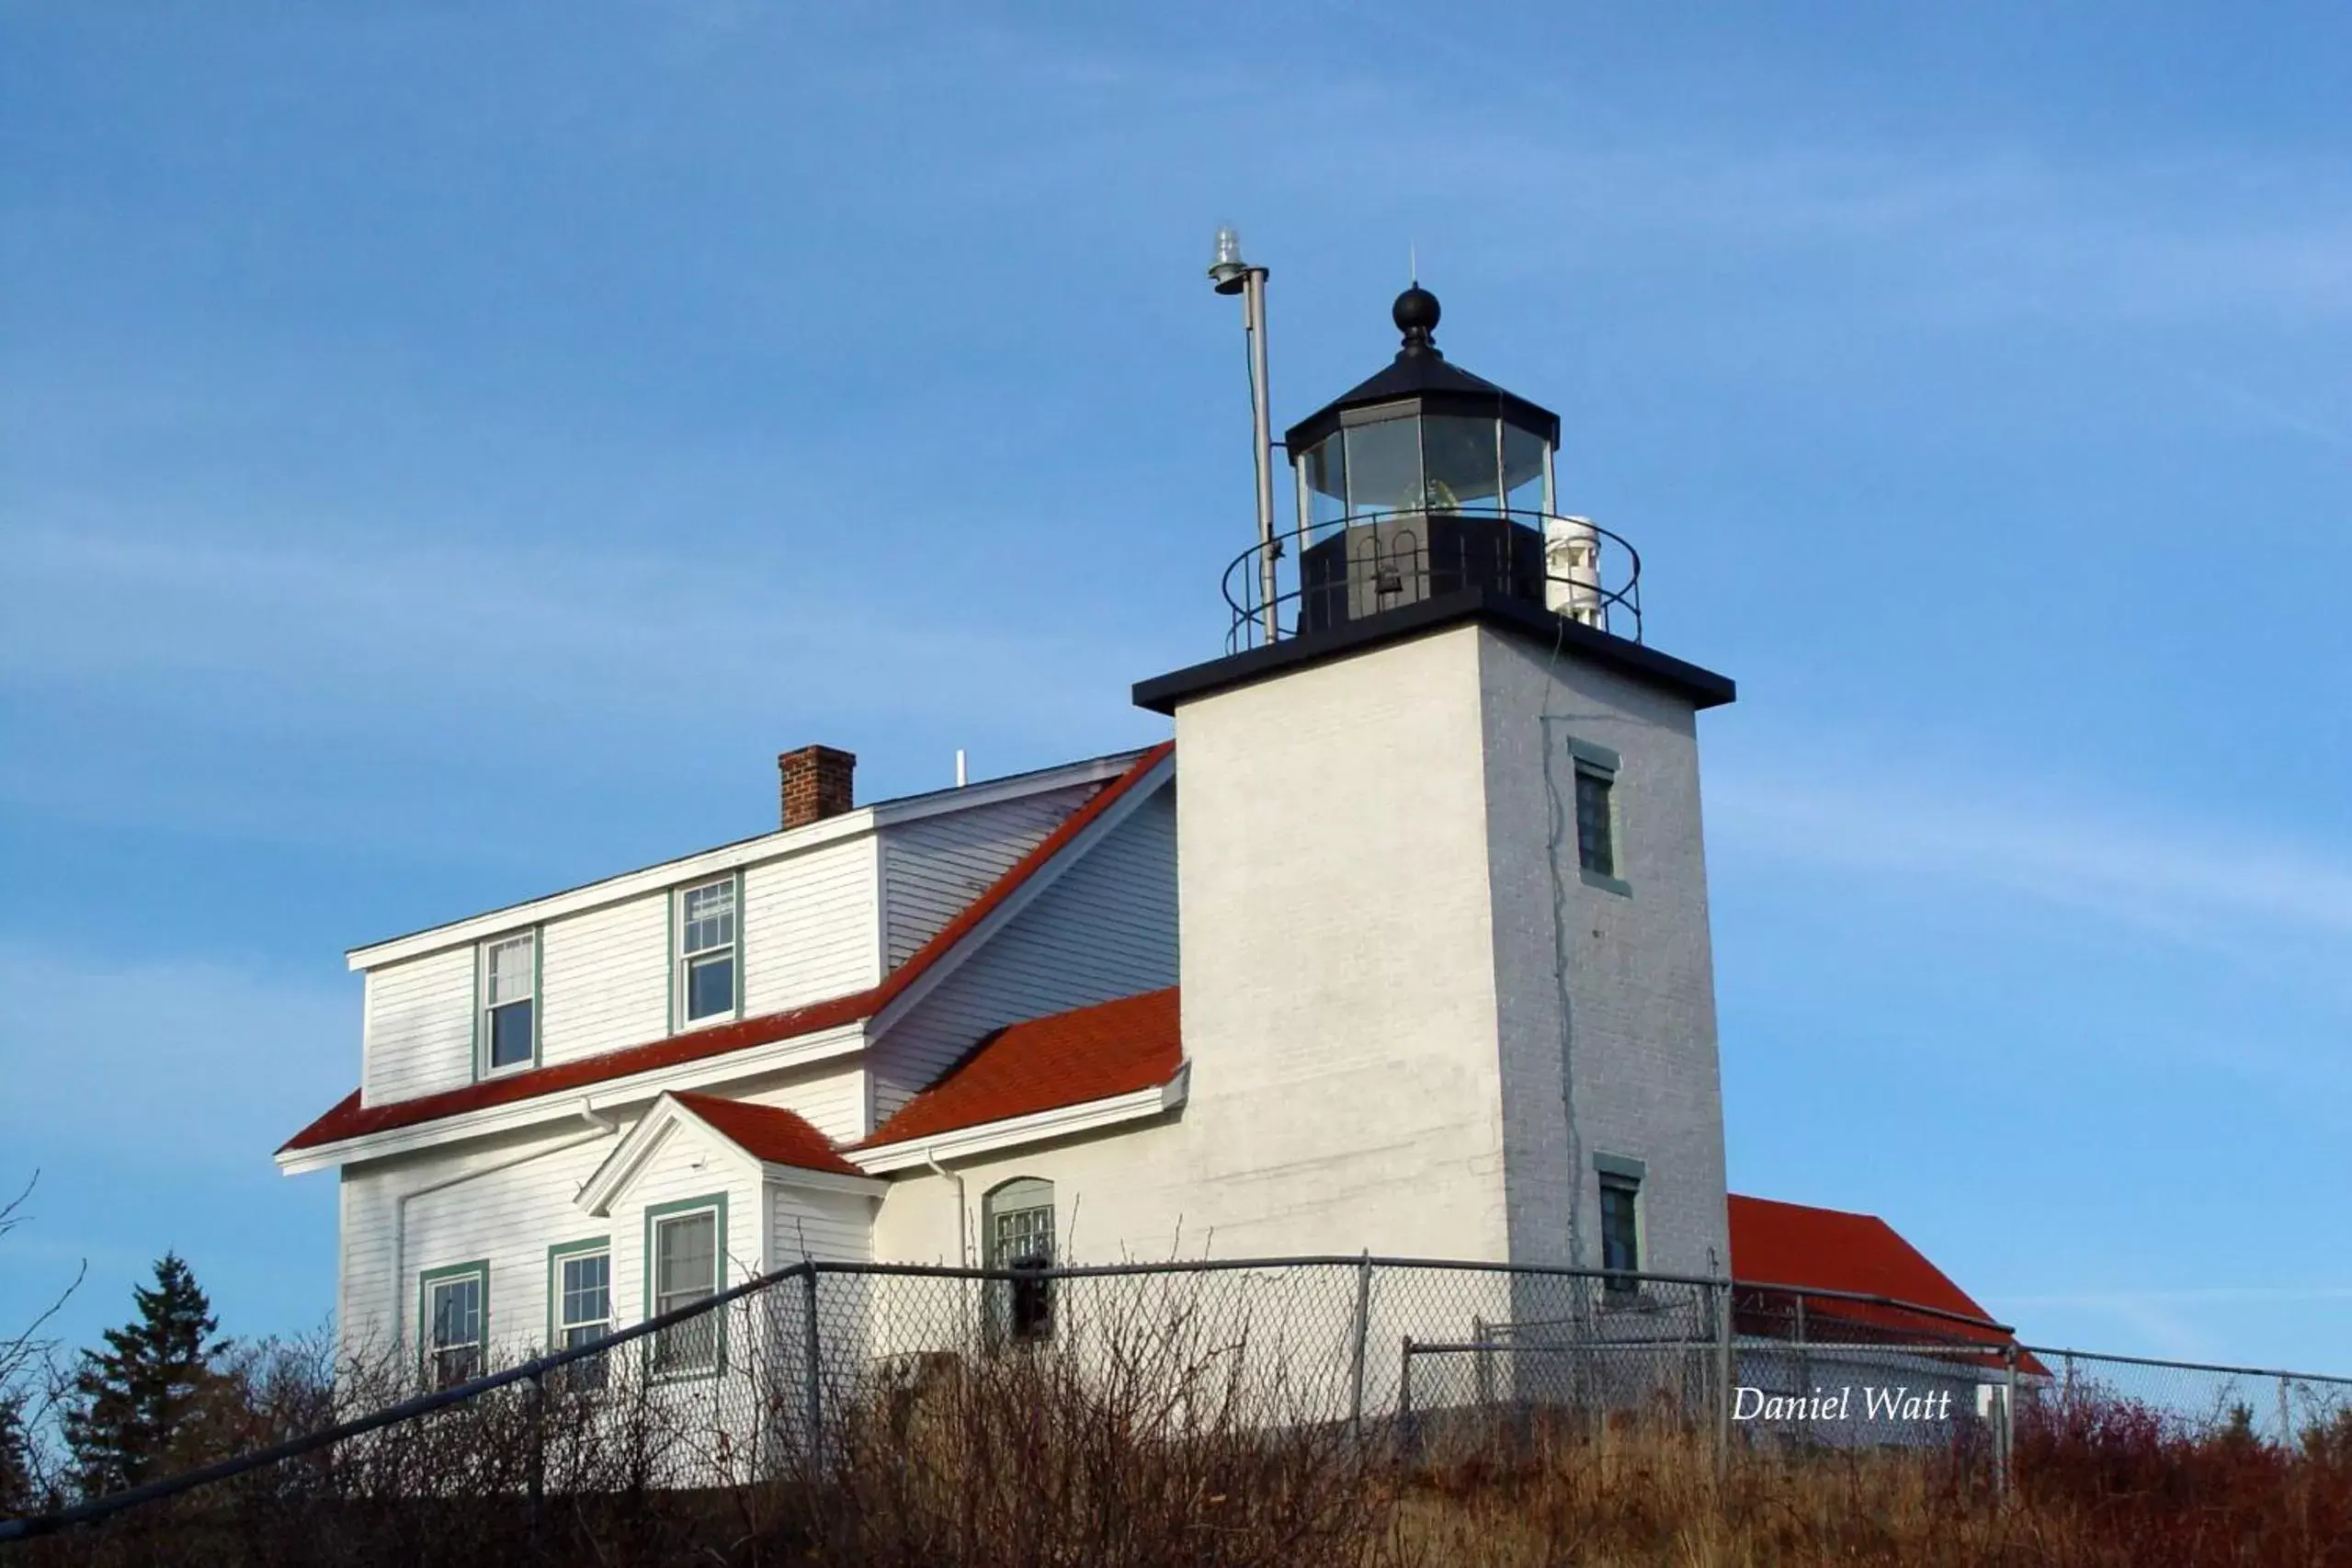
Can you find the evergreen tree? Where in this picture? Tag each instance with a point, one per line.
(18, 1489)
(137, 1409)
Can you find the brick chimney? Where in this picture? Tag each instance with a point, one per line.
(816, 783)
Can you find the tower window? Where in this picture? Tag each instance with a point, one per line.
(1596, 824)
(707, 966)
(1620, 1181)
(510, 1001)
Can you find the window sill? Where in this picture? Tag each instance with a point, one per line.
(1617, 885)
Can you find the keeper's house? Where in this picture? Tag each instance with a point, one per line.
(1399, 944)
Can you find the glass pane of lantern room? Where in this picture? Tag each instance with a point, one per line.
(1522, 470)
(1384, 465)
(1462, 459)
(1326, 465)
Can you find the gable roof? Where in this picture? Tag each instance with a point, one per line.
(350, 1118)
(770, 1134)
(1830, 1249)
(1064, 1059)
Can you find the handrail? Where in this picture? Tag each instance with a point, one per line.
(2189, 1365)
(537, 1367)
(391, 1416)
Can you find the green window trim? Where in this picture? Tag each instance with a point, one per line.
(1597, 757)
(655, 1215)
(1604, 764)
(425, 1280)
(555, 1256)
(741, 968)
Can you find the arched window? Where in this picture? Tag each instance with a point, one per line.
(1017, 1221)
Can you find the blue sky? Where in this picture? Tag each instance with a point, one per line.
(449, 449)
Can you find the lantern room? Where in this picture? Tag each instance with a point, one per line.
(1421, 482)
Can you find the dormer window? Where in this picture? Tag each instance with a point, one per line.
(509, 1023)
(709, 975)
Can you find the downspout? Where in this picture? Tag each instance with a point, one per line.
(963, 1244)
(604, 1126)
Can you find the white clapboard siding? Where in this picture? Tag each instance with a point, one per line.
(933, 869)
(831, 1227)
(419, 1024)
(1106, 927)
(507, 1216)
(510, 1216)
(604, 981)
(831, 1098)
(810, 927)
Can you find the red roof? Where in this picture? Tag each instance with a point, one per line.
(769, 1134)
(1093, 1054)
(349, 1118)
(1829, 1249)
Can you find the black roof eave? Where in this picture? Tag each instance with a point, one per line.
(1701, 687)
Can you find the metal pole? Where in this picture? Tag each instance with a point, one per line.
(1721, 1299)
(1254, 318)
(813, 1408)
(2285, 1417)
(1804, 1359)
(1408, 1431)
(1485, 1363)
(1363, 1331)
(539, 1454)
(2009, 1420)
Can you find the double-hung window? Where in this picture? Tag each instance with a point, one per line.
(682, 1259)
(1020, 1239)
(510, 1001)
(457, 1319)
(707, 952)
(582, 1287)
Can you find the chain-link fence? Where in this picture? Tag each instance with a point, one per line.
(1387, 1360)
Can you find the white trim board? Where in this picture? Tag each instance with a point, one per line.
(557, 1104)
(707, 863)
(1045, 876)
(1039, 1126)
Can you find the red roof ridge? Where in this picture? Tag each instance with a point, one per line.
(773, 1134)
(1099, 1052)
(349, 1118)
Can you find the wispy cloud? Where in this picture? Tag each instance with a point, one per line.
(152, 1063)
(339, 624)
(2125, 860)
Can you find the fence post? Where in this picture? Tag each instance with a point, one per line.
(1720, 1297)
(2004, 1477)
(1484, 1363)
(1408, 1429)
(813, 1402)
(2285, 1417)
(1363, 1333)
(539, 1453)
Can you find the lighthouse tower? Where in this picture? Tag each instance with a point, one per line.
(1446, 985)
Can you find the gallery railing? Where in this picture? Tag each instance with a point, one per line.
(1351, 568)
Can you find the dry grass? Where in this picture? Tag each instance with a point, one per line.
(1150, 1450)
